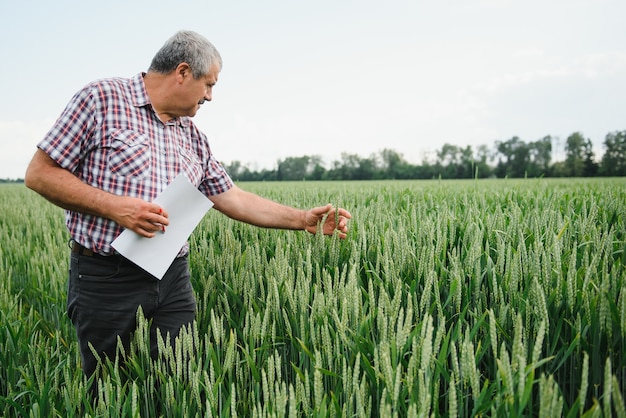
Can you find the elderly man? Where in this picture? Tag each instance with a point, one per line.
(116, 146)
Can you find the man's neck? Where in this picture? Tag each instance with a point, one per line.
(157, 88)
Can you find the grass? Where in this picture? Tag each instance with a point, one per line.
(449, 298)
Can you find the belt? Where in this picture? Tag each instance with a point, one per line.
(79, 249)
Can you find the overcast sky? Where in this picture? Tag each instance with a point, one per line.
(327, 77)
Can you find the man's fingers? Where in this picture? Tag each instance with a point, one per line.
(149, 227)
(322, 210)
(163, 213)
(330, 219)
(344, 213)
(157, 220)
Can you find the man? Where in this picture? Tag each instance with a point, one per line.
(115, 147)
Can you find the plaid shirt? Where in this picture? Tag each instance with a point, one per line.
(110, 137)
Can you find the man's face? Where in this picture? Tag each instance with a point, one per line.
(197, 91)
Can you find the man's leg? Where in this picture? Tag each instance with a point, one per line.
(176, 305)
(103, 297)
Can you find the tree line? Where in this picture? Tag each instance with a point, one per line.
(512, 158)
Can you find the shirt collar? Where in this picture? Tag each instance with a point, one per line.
(138, 90)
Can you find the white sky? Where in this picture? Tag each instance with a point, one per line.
(326, 77)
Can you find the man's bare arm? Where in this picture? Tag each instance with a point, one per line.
(64, 189)
(256, 210)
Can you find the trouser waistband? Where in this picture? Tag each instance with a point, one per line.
(79, 249)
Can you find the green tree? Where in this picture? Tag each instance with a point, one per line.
(346, 169)
(293, 168)
(391, 163)
(238, 171)
(306, 167)
(614, 158)
(575, 155)
(540, 154)
(448, 158)
(465, 169)
(366, 169)
(590, 166)
(456, 162)
(315, 169)
(516, 157)
(481, 161)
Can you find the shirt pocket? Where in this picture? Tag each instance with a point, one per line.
(130, 154)
(191, 165)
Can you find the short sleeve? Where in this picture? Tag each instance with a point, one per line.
(67, 140)
(216, 180)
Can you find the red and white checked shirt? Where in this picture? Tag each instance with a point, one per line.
(110, 137)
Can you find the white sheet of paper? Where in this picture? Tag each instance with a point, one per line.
(185, 206)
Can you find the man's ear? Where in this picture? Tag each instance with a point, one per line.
(182, 71)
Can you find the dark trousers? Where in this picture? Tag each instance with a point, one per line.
(105, 292)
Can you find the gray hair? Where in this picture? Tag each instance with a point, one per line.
(189, 47)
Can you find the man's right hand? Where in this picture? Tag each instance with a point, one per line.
(143, 218)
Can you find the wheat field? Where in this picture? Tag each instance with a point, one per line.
(448, 298)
